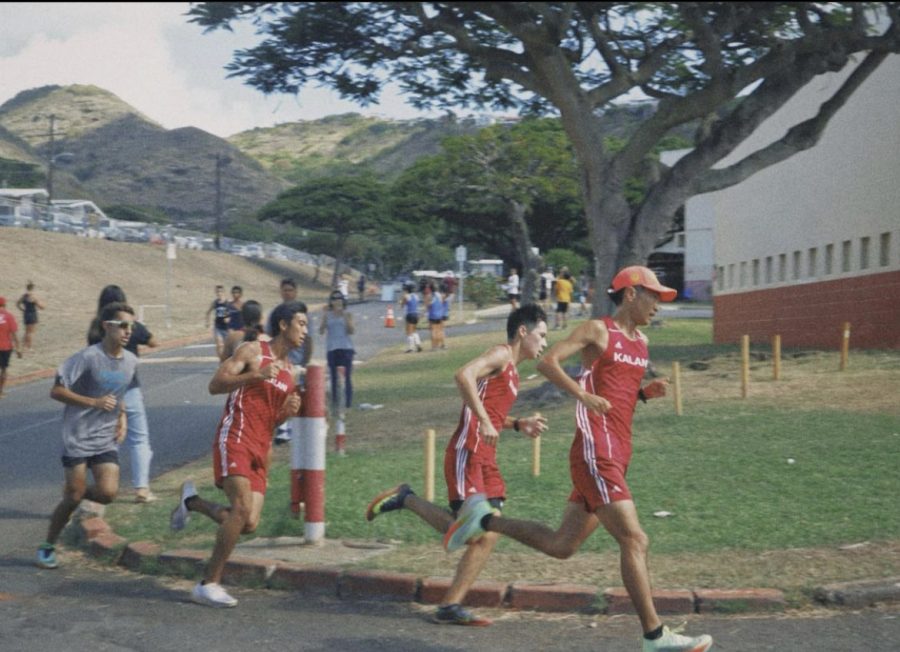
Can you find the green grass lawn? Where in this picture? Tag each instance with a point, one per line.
(722, 469)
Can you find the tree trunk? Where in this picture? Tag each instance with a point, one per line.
(522, 241)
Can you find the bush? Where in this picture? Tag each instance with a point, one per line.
(560, 258)
(482, 290)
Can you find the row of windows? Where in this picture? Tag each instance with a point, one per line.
(814, 262)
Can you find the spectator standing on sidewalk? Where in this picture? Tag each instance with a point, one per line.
(138, 436)
(337, 326)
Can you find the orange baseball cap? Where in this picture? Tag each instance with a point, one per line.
(639, 275)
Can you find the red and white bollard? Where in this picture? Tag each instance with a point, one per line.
(340, 433)
(308, 456)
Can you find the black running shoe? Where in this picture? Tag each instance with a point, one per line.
(388, 501)
(454, 614)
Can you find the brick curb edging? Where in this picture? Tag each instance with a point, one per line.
(99, 541)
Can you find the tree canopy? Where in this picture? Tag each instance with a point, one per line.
(342, 206)
(728, 65)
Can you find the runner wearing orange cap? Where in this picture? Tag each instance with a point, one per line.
(614, 358)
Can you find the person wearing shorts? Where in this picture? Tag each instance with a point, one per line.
(260, 386)
(9, 341)
(219, 310)
(489, 386)
(614, 358)
(29, 304)
(564, 291)
(409, 303)
(92, 385)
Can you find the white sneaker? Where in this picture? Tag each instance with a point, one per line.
(672, 641)
(180, 515)
(212, 595)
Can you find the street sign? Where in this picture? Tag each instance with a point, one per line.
(461, 254)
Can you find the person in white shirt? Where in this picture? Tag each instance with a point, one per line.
(512, 288)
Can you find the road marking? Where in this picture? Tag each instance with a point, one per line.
(39, 424)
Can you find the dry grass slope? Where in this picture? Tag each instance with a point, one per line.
(69, 273)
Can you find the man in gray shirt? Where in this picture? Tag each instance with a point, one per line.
(92, 384)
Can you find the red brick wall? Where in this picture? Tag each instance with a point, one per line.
(812, 314)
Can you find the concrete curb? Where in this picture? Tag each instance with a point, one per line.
(99, 541)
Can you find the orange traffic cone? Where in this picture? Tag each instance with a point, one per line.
(389, 318)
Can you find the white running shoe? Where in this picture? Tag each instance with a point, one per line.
(181, 515)
(467, 526)
(212, 595)
(673, 641)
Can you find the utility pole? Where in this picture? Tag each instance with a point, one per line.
(221, 161)
(50, 162)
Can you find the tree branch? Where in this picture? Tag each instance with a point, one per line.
(800, 137)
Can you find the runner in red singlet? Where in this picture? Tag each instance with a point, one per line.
(259, 382)
(489, 385)
(613, 357)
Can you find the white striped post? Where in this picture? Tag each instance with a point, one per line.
(340, 433)
(308, 456)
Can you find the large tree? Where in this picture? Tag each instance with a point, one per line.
(490, 182)
(342, 206)
(729, 65)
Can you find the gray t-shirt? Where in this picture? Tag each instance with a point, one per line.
(93, 372)
(336, 336)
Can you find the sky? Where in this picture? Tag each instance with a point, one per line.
(152, 58)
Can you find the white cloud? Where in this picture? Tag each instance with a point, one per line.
(152, 58)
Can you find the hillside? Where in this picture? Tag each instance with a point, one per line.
(299, 150)
(120, 156)
(69, 273)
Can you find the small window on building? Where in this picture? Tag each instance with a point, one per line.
(769, 269)
(731, 276)
(744, 273)
(720, 278)
(782, 267)
(884, 249)
(846, 251)
(812, 262)
(829, 259)
(796, 266)
(756, 271)
(680, 240)
(864, 252)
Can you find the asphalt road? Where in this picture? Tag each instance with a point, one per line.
(87, 606)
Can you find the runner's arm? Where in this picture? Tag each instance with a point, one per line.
(241, 369)
(592, 333)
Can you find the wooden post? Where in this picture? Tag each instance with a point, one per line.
(676, 379)
(536, 456)
(776, 357)
(845, 345)
(429, 465)
(745, 365)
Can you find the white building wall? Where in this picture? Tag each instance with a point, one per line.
(781, 225)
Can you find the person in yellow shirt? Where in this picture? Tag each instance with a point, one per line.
(563, 298)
